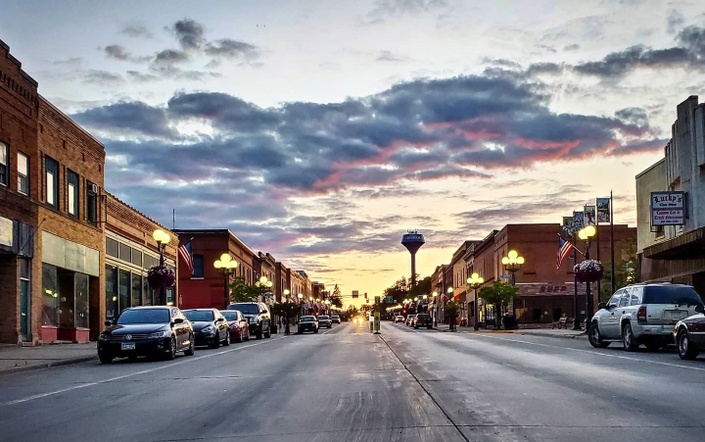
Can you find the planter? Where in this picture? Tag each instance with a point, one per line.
(589, 270)
(160, 277)
(80, 335)
(49, 333)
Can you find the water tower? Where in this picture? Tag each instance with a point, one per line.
(413, 241)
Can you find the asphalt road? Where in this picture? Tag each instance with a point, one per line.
(347, 384)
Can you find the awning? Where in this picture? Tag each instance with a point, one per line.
(688, 245)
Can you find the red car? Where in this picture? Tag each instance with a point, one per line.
(239, 328)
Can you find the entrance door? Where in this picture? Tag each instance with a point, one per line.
(24, 299)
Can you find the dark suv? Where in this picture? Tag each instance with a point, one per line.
(423, 320)
(643, 314)
(257, 315)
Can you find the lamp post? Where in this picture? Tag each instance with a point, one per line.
(513, 262)
(475, 281)
(225, 265)
(162, 238)
(448, 298)
(301, 304)
(434, 296)
(586, 234)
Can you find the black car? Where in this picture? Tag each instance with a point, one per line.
(146, 331)
(423, 320)
(209, 326)
(307, 323)
(257, 315)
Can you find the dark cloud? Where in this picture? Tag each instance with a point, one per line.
(136, 30)
(189, 33)
(117, 52)
(133, 117)
(170, 57)
(232, 49)
(103, 77)
(635, 115)
(572, 47)
(141, 77)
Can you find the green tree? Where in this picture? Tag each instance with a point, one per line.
(626, 269)
(286, 310)
(399, 291)
(423, 287)
(336, 298)
(498, 294)
(241, 292)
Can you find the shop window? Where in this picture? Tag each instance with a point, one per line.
(125, 288)
(111, 247)
(136, 257)
(4, 166)
(111, 298)
(72, 193)
(91, 203)
(22, 173)
(50, 295)
(81, 291)
(149, 294)
(136, 290)
(51, 184)
(124, 252)
(198, 266)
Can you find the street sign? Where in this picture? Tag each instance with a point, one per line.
(505, 276)
(389, 300)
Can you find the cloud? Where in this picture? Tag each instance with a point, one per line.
(136, 30)
(189, 34)
(385, 9)
(228, 48)
(133, 117)
(117, 52)
(387, 56)
(103, 77)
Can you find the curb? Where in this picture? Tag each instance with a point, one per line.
(58, 363)
(573, 336)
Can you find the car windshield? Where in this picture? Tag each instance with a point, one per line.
(199, 315)
(335, 316)
(230, 316)
(246, 309)
(683, 295)
(306, 319)
(144, 316)
(323, 317)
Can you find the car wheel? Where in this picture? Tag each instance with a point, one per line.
(686, 348)
(227, 339)
(628, 340)
(429, 327)
(132, 358)
(191, 346)
(240, 337)
(315, 331)
(248, 335)
(172, 349)
(595, 338)
(105, 358)
(216, 342)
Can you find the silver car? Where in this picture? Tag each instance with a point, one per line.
(643, 314)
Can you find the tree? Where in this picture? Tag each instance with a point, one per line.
(626, 269)
(423, 287)
(498, 294)
(336, 298)
(399, 291)
(241, 292)
(451, 312)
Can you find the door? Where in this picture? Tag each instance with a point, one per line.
(24, 299)
(609, 318)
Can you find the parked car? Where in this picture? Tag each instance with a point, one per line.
(210, 326)
(643, 314)
(689, 334)
(237, 324)
(399, 318)
(409, 320)
(257, 315)
(423, 320)
(325, 321)
(307, 323)
(335, 319)
(146, 331)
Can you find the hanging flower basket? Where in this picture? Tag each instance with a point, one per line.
(160, 277)
(589, 270)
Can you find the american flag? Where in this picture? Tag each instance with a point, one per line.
(185, 253)
(564, 248)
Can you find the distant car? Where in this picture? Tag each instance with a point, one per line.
(643, 314)
(689, 334)
(238, 325)
(307, 323)
(257, 315)
(335, 319)
(423, 320)
(325, 321)
(209, 326)
(398, 318)
(409, 320)
(359, 321)
(146, 331)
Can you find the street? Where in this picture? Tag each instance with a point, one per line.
(347, 384)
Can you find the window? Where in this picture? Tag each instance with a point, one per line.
(72, 193)
(125, 252)
(111, 247)
(22, 173)
(51, 168)
(198, 266)
(92, 203)
(50, 295)
(4, 171)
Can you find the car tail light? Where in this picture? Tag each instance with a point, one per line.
(641, 314)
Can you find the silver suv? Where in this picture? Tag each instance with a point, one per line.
(642, 314)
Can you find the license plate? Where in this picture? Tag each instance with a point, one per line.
(127, 346)
(675, 314)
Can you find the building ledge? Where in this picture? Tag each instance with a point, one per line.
(686, 245)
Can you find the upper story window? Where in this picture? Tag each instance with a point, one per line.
(91, 203)
(51, 169)
(198, 266)
(72, 193)
(4, 171)
(22, 173)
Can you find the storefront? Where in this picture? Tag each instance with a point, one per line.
(16, 247)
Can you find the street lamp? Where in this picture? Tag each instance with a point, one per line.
(286, 293)
(225, 265)
(475, 281)
(162, 238)
(513, 262)
(301, 303)
(586, 234)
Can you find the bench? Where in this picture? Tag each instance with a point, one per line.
(562, 322)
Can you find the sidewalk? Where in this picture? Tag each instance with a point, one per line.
(554, 333)
(14, 358)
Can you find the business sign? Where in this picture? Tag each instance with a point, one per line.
(668, 208)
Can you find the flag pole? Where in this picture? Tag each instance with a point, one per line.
(576, 317)
(612, 242)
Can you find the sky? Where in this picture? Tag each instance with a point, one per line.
(322, 131)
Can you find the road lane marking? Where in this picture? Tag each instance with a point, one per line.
(149, 370)
(592, 352)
